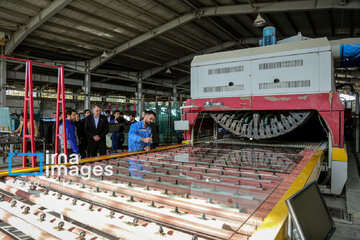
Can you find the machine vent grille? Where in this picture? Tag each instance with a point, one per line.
(225, 70)
(223, 88)
(282, 64)
(288, 84)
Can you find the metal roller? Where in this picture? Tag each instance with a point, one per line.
(261, 124)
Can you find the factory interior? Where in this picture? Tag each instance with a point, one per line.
(179, 119)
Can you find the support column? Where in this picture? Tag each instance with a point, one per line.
(139, 97)
(175, 94)
(2, 82)
(87, 83)
(40, 102)
(357, 127)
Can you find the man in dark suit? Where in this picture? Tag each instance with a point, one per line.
(109, 116)
(117, 138)
(132, 119)
(96, 127)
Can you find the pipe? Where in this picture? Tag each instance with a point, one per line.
(337, 44)
(346, 52)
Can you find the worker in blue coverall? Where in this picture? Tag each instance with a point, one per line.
(140, 133)
(139, 140)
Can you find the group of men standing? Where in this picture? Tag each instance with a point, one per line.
(90, 133)
(87, 135)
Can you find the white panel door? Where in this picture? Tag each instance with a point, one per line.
(224, 79)
(294, 74)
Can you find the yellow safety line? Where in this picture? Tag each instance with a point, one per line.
(89, 160)
(272, 226)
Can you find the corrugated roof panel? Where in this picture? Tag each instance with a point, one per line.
(302, 23)
(137, 14)
(321, 22)
(342, 27)
(9, 15)
(20, 7)
(79, 34)
(99, 8)
(201, 33)
(53, 46)
(177, 5)
(36, 4)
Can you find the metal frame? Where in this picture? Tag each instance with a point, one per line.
(60, 100)
(28, 102)
(274, 225)
(328, 105)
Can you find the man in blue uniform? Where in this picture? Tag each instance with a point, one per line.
(140, 133)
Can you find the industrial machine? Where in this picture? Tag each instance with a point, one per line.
(267, 92)
(229, 180)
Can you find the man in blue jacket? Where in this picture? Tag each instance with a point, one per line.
(140, 133)
(117, 138)
(72, 138)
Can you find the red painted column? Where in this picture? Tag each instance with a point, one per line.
(28, 102)
(60, 100)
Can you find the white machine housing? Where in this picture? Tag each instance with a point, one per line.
(287, 68)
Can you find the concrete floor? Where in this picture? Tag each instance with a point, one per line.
(348, 228)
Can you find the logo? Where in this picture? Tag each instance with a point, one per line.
(213, 104)
(71, 167)
(66, 166)
(14, 154)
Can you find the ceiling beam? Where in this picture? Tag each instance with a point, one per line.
(78, 67)
(53, 48)
(98, 61)
(182, 81)
(17, 67)
(126, 74)
(76, 82)
(150, 72)
(218, 11)
(35, 22)
(50, 35)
